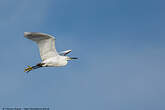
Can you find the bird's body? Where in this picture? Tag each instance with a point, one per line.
(55, 61)
(50, 57)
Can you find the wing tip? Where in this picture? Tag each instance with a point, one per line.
(28, 34)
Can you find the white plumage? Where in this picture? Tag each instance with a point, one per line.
(49, 55)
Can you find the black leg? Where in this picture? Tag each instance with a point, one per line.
(34, 67)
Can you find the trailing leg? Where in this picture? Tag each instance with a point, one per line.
(33, 67)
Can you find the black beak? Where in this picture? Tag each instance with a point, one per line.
(73, 58)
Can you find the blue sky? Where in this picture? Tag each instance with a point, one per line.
(120, 44)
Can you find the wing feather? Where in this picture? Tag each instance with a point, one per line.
(45, 42)
(64, 53)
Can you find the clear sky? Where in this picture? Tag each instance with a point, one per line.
(120, 43)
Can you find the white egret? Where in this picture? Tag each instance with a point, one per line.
(49, 56)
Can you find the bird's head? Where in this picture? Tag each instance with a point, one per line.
(70, 58)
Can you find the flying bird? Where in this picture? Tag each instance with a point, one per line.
(48, 53)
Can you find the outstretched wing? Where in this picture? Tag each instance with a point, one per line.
(63, 53)
(45, 42)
